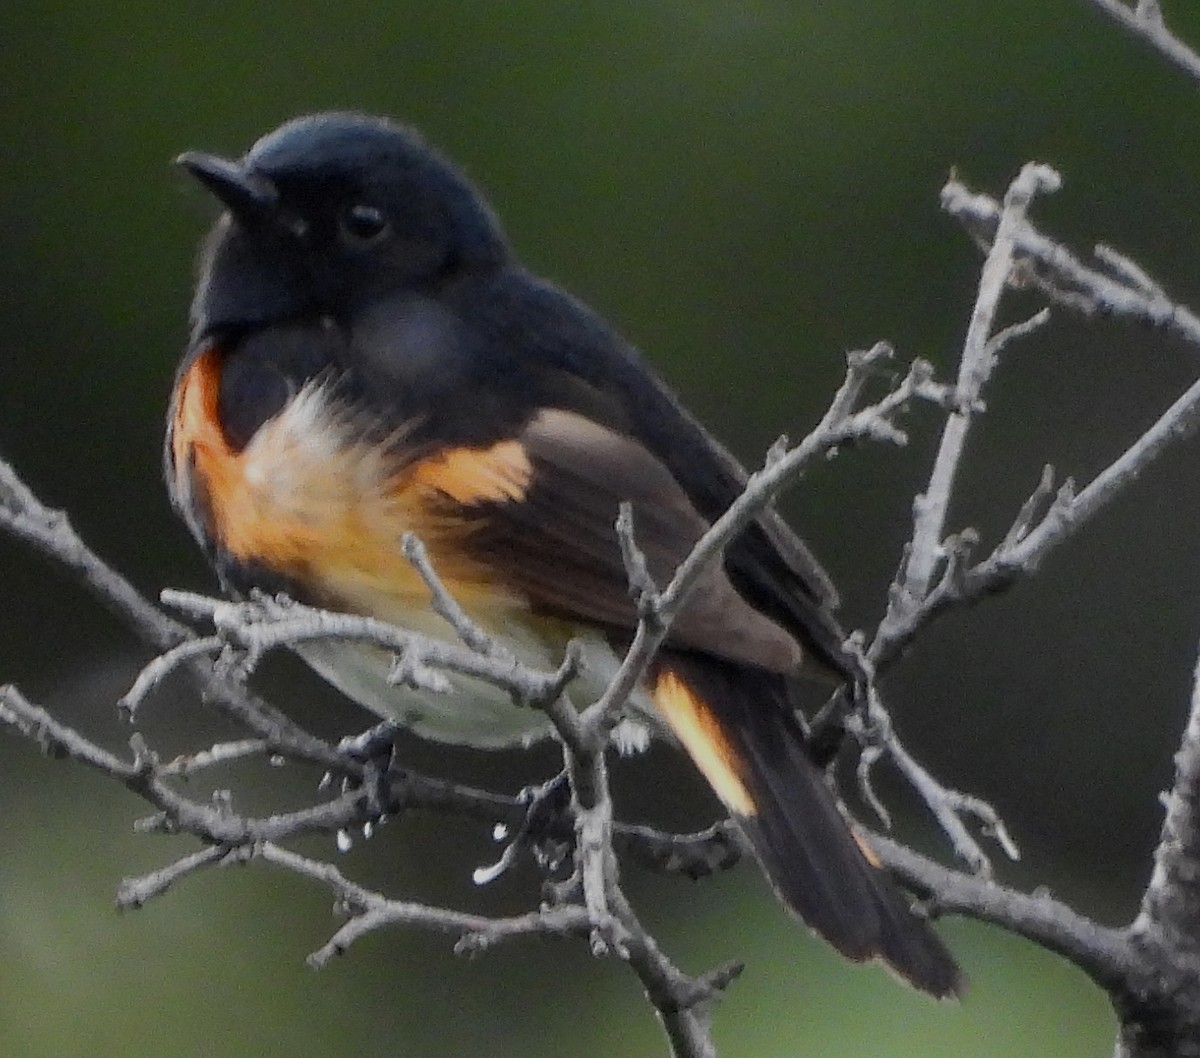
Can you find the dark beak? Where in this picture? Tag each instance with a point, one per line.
(248, 196)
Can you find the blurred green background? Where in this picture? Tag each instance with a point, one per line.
(748, 189)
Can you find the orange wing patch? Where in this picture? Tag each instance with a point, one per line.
(497, 474)
(697, 728)
(313, 499)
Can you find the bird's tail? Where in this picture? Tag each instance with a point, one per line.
(738, 727)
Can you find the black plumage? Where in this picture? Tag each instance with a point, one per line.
(357, 270)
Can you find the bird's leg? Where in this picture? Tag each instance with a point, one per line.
(545, 830)
(375, 749)
(375, 745)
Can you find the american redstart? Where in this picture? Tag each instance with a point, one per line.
(368, 357)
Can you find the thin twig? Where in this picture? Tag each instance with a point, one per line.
(214, 756)
(267, 623)
(975, 368)
(1135, 295)
(914, 596)
(838, 427)
(57, 739)
(134, 892)
(163, 665)
(446, 606)
(1062, 277)
(1171, 904)
(1145, 23)
(948, 806)
(371, 911)
(1068, 515)
(1103, 953)
(49, 531)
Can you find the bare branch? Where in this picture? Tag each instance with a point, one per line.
(861, 366)
(54, 738)
(975, 368)
(162, 666)
(446, 606)
(1145, 23)
(177, 814)
(1103, 953)
(371, 911)
(1070, 512)
(266, 623)
(947, 805)
(683, 1003)
(1128, 271)
(914, 598)
(1014, 333)
(1031, 509)
(48, 531)
(1060, 275)
(716, 848)
(839, 426)
(1171, 904)
(680, 1000)
(214, 756)
(134, 892)
(1132, 294)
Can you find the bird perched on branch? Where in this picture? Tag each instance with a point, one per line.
(368, 357)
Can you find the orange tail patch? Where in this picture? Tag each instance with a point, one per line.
(698, 729)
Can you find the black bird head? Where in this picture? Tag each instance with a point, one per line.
(330, 211)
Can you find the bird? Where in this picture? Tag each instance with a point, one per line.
(369, 358)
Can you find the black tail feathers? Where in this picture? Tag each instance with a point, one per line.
(740, 721)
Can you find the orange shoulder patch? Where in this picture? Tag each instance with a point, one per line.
(195, 413)
(497, 474)
(315, 499)
(198, 444)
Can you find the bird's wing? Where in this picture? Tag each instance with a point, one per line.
(542, 507)
(554, 541)
(548, 349)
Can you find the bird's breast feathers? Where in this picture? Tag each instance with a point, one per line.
(320, 501)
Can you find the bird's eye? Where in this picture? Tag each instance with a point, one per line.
(363, 224)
